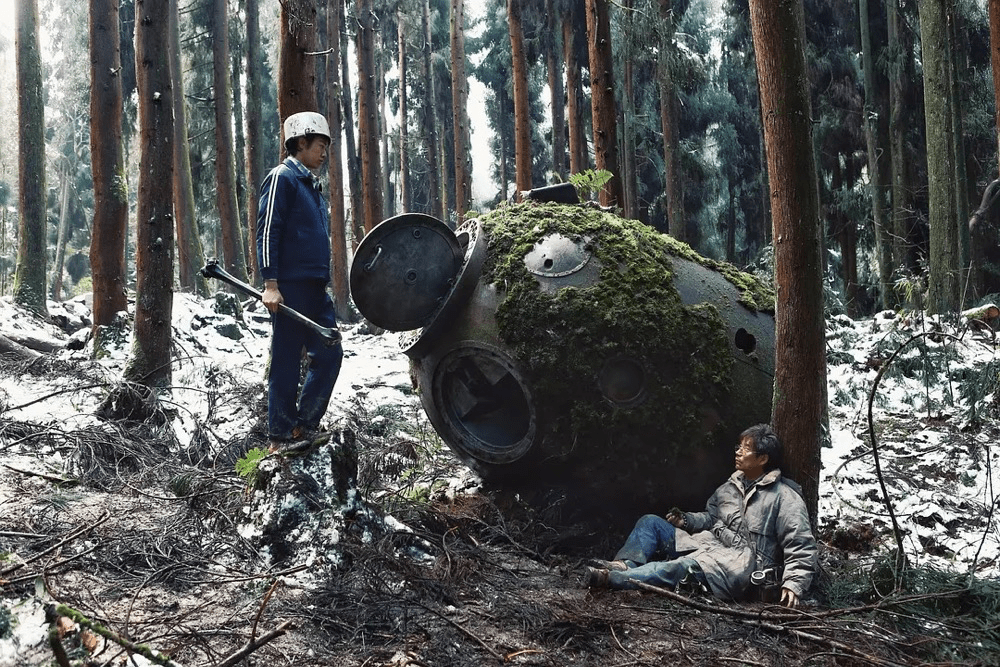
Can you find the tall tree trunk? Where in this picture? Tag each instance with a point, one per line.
(107, 239)
(558, 106)
(57, 269)
(578, 161)
(149, 361)
(338, 222)
(404, 149)
(190, 257)
(296, 68)
(628, 163)
(899, 119)
(368, 143)
(388, 195)
(254, 130)
(353, 160)
(935, 49)
(236, 78)
(29, 276)
(602, 99)
(430, 121)
(799, 408)
(522, 112)
(958, 71)
(876, 170)
(460, 114)
(669, 116)
(994, 11)
(225, 169)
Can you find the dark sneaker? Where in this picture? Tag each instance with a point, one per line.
(613, 565)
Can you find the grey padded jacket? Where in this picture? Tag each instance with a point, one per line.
(738, 534)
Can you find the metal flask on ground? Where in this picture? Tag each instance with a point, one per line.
(582, 361)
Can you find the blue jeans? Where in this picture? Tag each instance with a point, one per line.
(650, 552)
(287, 407)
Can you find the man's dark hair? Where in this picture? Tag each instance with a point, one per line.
(291, 145)
(765, 441)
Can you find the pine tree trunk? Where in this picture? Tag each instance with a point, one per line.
(338, 223)
(799, 407)
(578, 161)
(628, 163)
(225, 169)
(404, 149)
(669, 113)
(29, 275)
(994, 10)
(959, 72)
(602, 93)
(254, 131)
(899, 119)
(436, 205)
(368, 143)
(190, 257)
(353, 160)
(459, 110)
(935, 49)
(876, 171)
(149, 361)
(57, 269)
(388, 197)
(558, 106)
(522, 113)
(296, 68)
(107, 240)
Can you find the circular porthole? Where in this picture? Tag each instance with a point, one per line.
(485, 404)
(622, 381)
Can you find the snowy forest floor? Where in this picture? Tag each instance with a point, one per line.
(143, 525)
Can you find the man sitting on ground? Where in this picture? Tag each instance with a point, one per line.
(754, 525)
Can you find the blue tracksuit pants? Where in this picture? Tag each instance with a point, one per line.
(287, 406)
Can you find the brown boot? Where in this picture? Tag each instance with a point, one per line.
(596, 578)
(613, 565)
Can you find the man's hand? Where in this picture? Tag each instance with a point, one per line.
(676, 517)
(789, 598)
(272, 296)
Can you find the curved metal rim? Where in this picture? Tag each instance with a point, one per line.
(468, 277)
(373, 238)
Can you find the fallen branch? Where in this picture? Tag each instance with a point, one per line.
(254, 644)
(141, 649)
(61, 481)
(47, 569)
(832, 643)
(462, 629)
(69, 538)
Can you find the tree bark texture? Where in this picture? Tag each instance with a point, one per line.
(149, 361)
(107, 240)
(899, 70)
(225, 169)
(29, 275)
(190, 257)
(799, 407)
(994, 11)
(57, 270)
(368, 134)
(254, 131)
(553, 61)
(460, 114)
(436, 208)
(522, 113)
(338, 222)
(602, 96)
(353, 161)
(404, 149)
(876, 151)
(943, 282)
(297, 69)
(388, 195)
(578, 161)
(669, 113)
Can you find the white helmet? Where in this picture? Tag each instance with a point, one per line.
(305, 123)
